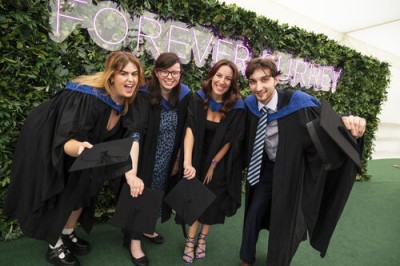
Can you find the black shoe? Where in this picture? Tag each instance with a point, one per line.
(142, 261)
(156, 240)
(53, 257)
(78, 247)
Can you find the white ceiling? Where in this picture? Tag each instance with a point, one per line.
(371, 27)
(347, 15)
(375, 22)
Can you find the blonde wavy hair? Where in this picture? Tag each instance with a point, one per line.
(114, 63)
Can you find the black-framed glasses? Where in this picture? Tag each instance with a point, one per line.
(165, 73)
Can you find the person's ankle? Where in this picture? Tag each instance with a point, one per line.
(151, 235)
(136, 251)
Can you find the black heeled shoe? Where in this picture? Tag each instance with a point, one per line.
(188, 256)
(76, 245)
(201, 252)
(142, 261)
(159, 239)
(61, 256)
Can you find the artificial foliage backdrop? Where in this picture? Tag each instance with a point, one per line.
(33, 68)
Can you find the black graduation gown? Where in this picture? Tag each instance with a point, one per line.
(305, 196)
(228, 170)
(42, 193)
(151, 116)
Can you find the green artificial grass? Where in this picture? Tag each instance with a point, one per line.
(368, 233)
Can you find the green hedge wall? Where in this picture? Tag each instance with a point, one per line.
(33, 67)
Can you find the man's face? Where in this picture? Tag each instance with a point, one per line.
(262, 84)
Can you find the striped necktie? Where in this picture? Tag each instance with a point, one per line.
(253, 173)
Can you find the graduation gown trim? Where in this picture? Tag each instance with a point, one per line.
(216, 106)
(99, 93)
(298, 100)
(183, 92)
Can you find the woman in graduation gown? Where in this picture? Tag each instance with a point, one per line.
(46, 199)
(211, 150)
(167, 102)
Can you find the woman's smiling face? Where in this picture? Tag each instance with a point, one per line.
(221, 82)
(125, 82)
(169, 77)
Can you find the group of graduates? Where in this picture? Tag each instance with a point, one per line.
(299, 178)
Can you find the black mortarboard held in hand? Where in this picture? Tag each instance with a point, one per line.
(189, 198)
(110, 159)
(137, 214)
(332, 139)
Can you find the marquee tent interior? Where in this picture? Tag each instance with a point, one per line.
(368, 26)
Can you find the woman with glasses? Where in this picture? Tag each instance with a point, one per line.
(166, 115)
(215, 129)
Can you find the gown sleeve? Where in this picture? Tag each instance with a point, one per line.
(136, 120)
(234, 135)
(314, 197)
(190, 119)
(40, 165)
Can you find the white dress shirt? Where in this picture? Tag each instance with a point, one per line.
(271, 133)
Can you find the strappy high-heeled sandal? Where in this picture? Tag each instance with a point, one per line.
(189, 255)
(201, 252)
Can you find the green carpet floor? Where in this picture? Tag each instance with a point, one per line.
(368, 234)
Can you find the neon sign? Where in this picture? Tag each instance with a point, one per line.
(112, 28)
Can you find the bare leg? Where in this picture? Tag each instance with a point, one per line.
(75, 244)
(136, 249)
(188, 253)
(153, 235)
(193, 230)
(201, 241)
(205, 229)
(73, 218)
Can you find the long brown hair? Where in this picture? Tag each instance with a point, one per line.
(114, 63)
(232, 95)
(164, 61)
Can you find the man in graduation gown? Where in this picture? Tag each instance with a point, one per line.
(292, 193)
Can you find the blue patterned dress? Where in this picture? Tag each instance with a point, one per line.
(165, 147)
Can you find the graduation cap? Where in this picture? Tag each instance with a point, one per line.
(111, 158)
(189, 199)
(137, 214)
(331, 138)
